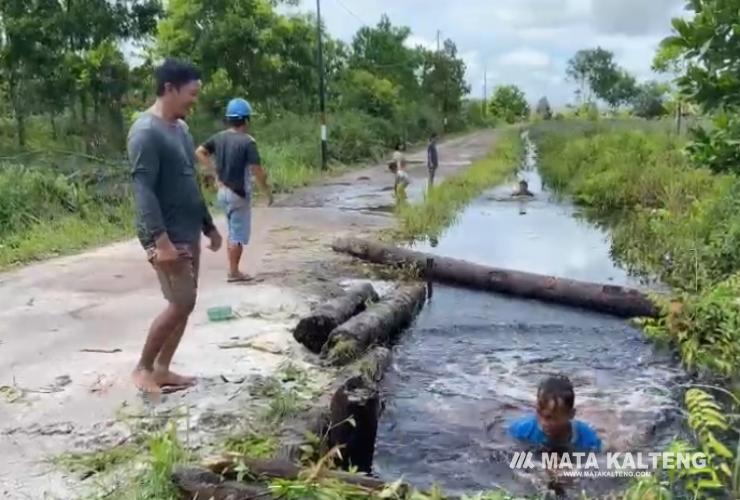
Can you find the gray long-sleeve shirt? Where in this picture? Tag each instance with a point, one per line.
(165, 182)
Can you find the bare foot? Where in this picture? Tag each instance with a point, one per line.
(145, 381)
(169, 378)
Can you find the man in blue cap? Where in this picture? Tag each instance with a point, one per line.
(236, 159)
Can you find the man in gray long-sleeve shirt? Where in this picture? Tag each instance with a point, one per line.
(171, 215)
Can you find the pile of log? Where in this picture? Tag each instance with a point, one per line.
(609, 299)
(377, 325)
(313, 330)
(345, 327)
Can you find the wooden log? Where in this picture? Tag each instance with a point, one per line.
(319, 420)
(616, 300)
(200, 484)
(377, 325)
(226, 465)
(313, 330)
(355, 410)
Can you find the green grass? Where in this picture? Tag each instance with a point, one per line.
(97, 462)
(252, 444)
(441, 206)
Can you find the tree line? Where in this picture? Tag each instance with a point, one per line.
(66, 80)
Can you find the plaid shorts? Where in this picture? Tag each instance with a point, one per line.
(179, 285)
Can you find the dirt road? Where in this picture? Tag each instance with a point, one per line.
(56, 396)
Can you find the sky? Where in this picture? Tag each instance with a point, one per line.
(522, 42)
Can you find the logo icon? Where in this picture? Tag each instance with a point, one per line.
(522, 460)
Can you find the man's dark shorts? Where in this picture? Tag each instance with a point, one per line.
(179, 285)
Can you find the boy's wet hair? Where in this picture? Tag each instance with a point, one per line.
(558, 389)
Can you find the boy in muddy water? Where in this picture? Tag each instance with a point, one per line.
(553, 428)
(523, 190)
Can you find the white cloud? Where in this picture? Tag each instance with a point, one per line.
(525, 57)
(525, 42)
(414, 41)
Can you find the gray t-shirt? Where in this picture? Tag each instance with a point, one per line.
(165, 182)
(234, 153)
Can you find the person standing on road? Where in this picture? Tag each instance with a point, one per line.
(432, 158)
(398, 167)
(236, 158)
(171, 215)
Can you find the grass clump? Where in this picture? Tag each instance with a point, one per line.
(442, 204)
(288, 393)
(253, 445)
(86, 464)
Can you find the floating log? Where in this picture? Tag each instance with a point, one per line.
(200, 484)
(314, 329)
(281, 469)
(609, 299)
(374, 326)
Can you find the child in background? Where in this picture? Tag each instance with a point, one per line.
(523, 189)
(553, 426)
(398, 167)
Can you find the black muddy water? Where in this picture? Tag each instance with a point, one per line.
(472, 361)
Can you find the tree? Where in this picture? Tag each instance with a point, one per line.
(622, 89)
(509, 104)
(31, 48)
(543, 109)
(649, 101)
(366, 92)
(599, 76)
(594, 70)
(443, 78)
(269, 57)
(706, 49)
(381, 50)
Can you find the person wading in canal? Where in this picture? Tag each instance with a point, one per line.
(236, 158)
(171, 215)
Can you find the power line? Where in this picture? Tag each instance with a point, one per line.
(351, 13)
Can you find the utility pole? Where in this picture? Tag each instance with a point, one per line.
(445, 75)
(485, 88)
(322, 89)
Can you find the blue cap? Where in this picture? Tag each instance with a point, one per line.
(238, 108)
